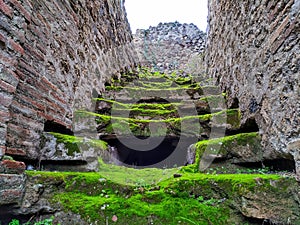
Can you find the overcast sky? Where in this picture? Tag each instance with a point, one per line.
(145, 13)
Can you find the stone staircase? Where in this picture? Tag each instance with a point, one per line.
(151, 107)
(198, 149)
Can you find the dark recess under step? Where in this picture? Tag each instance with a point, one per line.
(166, 154)
(255, 221)
(274, 165)
(51, 126)
(6, 215)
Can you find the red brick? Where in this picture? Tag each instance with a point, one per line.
(61, 122)
(29, 69)
(7, 87)
(16, 129)
(15, 151)
(31, 91)
(56, 97)
(6, 9)
(22, 108)
(33, 52)
(45, 116)
(37, 33)
(26, 122)
(4, 116)
(20, 75)
(48, 83)
(53, 107)
(21, 9)
(15, 46)
(13, 167)
(41, 48)
(36, 104)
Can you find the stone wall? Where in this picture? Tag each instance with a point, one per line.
(54, 56)
(254, 54)
(171, 47)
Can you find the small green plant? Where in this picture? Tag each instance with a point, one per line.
(48, 221)
(14, 222)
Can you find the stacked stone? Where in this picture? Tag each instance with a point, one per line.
(171, 47)
(253, 50)
(12, 182)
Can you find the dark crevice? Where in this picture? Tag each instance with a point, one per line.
(51, 126)
(249, 126)
(63, 162)
(256, 221)
(167, 147)
(251, 165)
(280, 165)
(274, 165)
(2, 45)
(6, 216)
(153, 100)
(63, 165)
(235, 104)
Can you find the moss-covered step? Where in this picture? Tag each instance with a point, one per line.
(205, 105)
(71, 153)
(93, 198)
(193, 125)
(235, 149)
(171, 94)
(151, 84)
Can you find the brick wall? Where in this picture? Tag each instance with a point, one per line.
(254, 54)
(52, 55)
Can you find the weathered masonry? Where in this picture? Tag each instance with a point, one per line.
(254, 54)
(52, 55)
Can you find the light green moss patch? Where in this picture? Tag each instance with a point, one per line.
(71, 142)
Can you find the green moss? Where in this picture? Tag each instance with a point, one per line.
(223, 145)
(192, 198)
(140, 177)
(137, 210)
(231, 112)
(72, 142)
(172, 121)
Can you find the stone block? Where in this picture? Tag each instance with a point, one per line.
(12, 167)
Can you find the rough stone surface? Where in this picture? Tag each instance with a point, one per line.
(12, 167)
(54, 56)
(254, 54)
(12, 187)
(171, 47)
(265, 199)
(81, 155)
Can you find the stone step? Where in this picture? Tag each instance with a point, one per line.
(206, 105)
(188, 125)
(235, 149)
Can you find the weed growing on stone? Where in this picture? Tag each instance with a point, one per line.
(48, 221)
